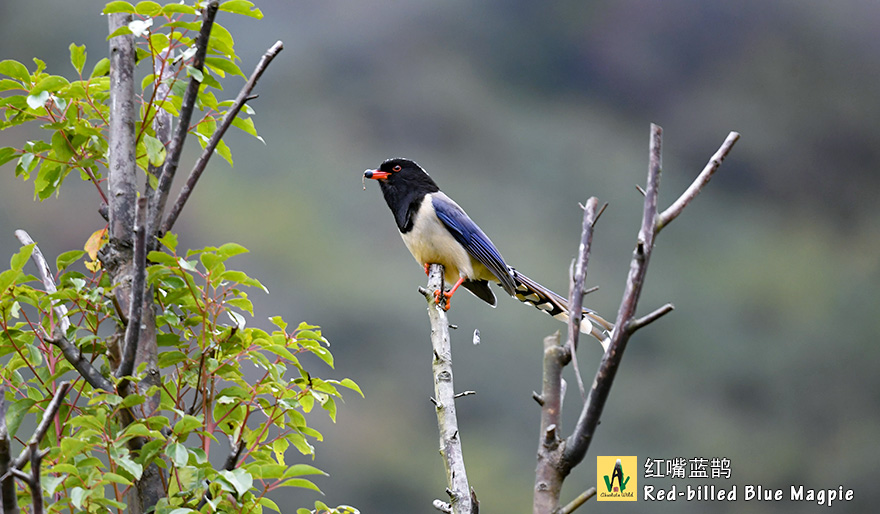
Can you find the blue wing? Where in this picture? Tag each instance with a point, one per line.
(477, 243)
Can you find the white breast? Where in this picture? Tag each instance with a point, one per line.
(430, 242)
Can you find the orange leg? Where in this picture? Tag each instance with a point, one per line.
(448, 294)
(426, 268)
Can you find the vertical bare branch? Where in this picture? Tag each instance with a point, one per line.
(163, 70)
(578, 442)
(548, 480)
(243, 96)
(36, 487)
(576, 295)
(172, 159)
(444, 399)
(136, 304)
(122, 132)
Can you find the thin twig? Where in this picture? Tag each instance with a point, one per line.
(696, 186)
(172, 157)
(47, 278)
(577, 502)
(576, 292)
(651, 317)
(243, 96)
(136, 303)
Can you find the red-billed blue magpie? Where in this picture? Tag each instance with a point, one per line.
(437, 231)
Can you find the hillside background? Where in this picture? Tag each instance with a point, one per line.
(520, 110)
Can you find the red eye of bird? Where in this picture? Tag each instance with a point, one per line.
(396, 167)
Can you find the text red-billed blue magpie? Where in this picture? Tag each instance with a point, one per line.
(437, 231)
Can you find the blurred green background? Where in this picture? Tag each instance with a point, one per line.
(520, 110)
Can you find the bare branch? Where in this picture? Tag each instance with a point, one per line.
(122, 132)
(548, 480)
(163, 70)
(136, 304)
(696, 186)
(444, 393)
(34, 483)
(576, 291)
(76, 359)
(47, 278)
(243, 96)
(577, 443)
(651, 317)
(577, 502)
(172, 158)
(576, 294)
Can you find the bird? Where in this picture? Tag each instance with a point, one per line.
(436, 230)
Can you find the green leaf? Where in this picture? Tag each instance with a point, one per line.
(7, 153)
(266, 502)
(18, 260)
(67, 258)
(239, 479)
(101, 68)
(114, 7)
(16, 413)
(15, 70)
(61, 147)
(178, 454)
(247, 125)
(155, 150)
(78, 56)
(195, 73)
(121, 31)
(148, 8)
(221, 40)
(7, 84)
(169, 240)
(301, 482)
(279, 322)
(113, 477)
(77, 495)
(302, 469)
(182, 510)
(186, 425)
(224, 65)
(50, 83)
(224, 151)
(177, 9)
(242, 7)
(129, 465)
(349, 383)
